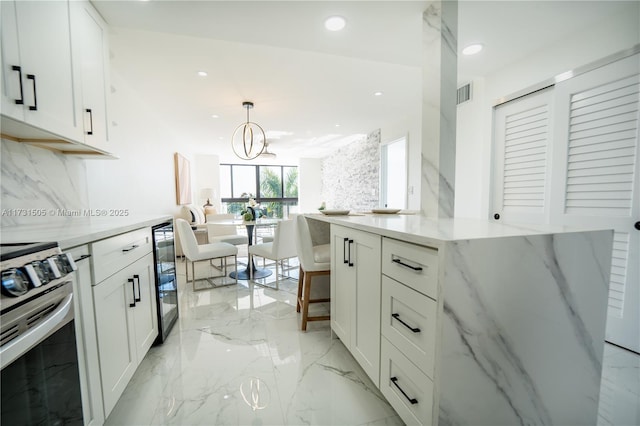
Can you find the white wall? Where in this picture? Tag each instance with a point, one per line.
(142, 180)
(309, 185)
(206, 174)
(474, 122)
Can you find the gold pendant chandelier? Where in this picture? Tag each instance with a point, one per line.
(248, 140)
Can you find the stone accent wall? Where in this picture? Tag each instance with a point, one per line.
(351, 176)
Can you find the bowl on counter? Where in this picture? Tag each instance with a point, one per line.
(385, 211)
(333, 212)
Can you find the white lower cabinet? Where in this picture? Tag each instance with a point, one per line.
(355, 295)
(89, 366)
(126, 325)
(409, 323)
(406, 387)
(409, 329)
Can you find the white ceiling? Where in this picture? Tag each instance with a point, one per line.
(303, 79)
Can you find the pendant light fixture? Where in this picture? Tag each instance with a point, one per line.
(248, 140)
(266, 152)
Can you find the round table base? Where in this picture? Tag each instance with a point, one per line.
(257, 273)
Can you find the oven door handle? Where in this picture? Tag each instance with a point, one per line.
(22, 344)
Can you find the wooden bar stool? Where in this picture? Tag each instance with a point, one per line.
(314, 261)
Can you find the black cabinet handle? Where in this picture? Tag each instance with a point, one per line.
(344, 250)
(397, 316)
(90, 132)
(133, 247)
(19, 69)
(411, 400)
(496, 216)
(33, 107)
(133, 288)
(139, 298)
(350, 262)
(637, 225)
(400, 262)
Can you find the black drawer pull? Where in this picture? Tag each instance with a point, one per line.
(83, 257)
(400, 262)
(133, 247)
(411, 400)
(350, 262)
(397, 316)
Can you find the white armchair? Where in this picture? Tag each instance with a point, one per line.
(195, 252)
(282, 247)
(224, 233)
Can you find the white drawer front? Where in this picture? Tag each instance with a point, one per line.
(412, 265)
(408, 390)
(409, 322)
(112, 254)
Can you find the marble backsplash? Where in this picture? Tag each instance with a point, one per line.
(40, 186)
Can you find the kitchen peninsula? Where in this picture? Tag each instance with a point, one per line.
(473, 322)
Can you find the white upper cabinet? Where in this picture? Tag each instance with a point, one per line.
(89, 33)
(54, 76)
(37, 74)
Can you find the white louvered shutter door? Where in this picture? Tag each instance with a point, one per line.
(597, 183)
(521, 157)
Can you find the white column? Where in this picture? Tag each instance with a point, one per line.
(439, 81)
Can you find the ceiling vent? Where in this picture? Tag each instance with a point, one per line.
(464, 94)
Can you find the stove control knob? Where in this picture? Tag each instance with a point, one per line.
(66, 260)
(54, 271)
(32, 273)
(14, 282)
(42, 271)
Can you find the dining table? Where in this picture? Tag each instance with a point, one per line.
(251, 226)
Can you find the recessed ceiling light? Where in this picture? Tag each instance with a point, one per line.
(338, 125)
(215, 116)
(335, 23)
(202, 73)
(472, 49)
(378, 93)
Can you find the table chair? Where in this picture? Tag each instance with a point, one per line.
(314, 261)
(195, 252)
(224, 233)
(282, 247)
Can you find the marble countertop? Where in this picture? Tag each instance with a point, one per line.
(75, 231)
(433, 231)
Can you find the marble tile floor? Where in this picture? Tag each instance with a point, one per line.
(237, 357)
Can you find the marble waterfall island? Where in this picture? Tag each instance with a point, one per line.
(519, 317)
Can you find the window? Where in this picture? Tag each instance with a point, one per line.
(393, 158)
(274, 187)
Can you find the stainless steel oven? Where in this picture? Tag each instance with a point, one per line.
(40, 381)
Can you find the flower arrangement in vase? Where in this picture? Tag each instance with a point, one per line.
(251, 211)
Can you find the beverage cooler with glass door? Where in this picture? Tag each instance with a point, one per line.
(164, 256)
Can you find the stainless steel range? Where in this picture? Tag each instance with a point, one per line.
(38, 354)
